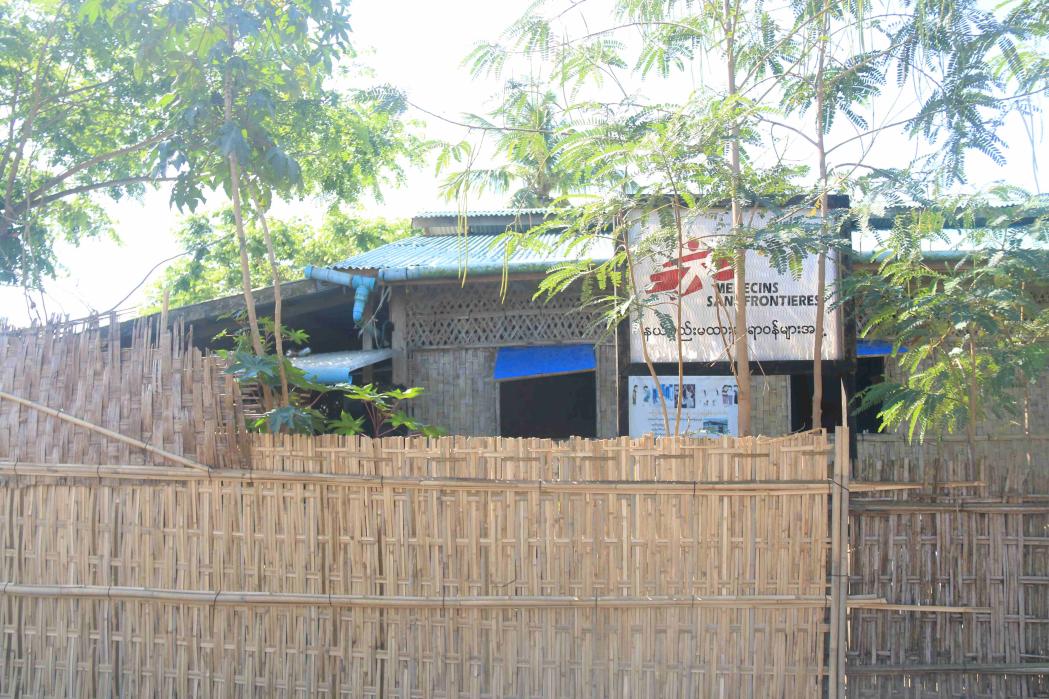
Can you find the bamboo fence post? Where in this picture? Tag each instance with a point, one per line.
(840, 580)
(836, 544)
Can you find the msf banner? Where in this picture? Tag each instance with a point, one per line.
(781, 308)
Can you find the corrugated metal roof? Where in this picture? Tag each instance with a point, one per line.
(486, 222)
(445, 256)
(338, 367)
(482, 212)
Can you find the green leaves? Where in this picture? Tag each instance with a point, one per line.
(231, 141)
(974, 330)
(290, 419)
(382, 409)
(211, 267)
(346, 424)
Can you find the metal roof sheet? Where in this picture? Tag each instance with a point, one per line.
(481, 212)
(446, 256)
(337, 367)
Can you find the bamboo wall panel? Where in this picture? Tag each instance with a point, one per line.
(520, 568)
(972, 547)
(606, 379)
(459, 393)
(155, 390)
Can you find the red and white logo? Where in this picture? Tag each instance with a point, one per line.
(688, 271)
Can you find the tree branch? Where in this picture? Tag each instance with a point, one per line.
(91, 162)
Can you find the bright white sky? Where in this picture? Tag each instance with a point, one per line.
(418, 46)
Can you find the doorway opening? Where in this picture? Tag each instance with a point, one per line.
(555, 407)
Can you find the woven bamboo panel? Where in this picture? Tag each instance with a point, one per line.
(444, 315)
(533, 569)
(153, 389)
(971, 547)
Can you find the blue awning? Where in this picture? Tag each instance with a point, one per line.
(875, 348)
(548, 360)
(338, 367)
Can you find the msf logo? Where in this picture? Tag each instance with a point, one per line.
(688, 271)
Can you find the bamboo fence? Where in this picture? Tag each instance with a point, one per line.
(984, 547)
(149, 547)
(479, 567)
(151, 388)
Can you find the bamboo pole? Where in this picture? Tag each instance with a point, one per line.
(881, 604)
(161, 473)
(286, 599)
(880, 486)
(842, 466)
(98, 429)
(1023, 506)
(834, 680)
(975, 668)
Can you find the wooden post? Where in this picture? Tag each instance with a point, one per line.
(164, 311)
(399, 318)
(368, 337)
(622, 377)
(839, 583)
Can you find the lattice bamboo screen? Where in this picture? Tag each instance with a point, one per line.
(477, 316)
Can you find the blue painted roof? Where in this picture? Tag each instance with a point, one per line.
(542, 360)
(447, 255)
(875, 348)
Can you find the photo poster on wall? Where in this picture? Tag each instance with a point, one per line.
(709, 405)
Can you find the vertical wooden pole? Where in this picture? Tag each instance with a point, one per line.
(368, 336)
(839, 640)
(835, 570)
(622, 377)
(164, 311)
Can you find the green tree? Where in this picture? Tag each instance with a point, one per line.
(970, 334)
(253, 112)
(529, 129)
(211, 269)
(109, 98)
(817, 71)
(79, 118)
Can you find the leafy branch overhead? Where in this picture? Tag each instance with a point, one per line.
(971, 334)
(111, 98)
(210, 267)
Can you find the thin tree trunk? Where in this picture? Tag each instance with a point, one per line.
(245, 267)
(741, 339)
(821, 262)
(970, 426)
(680, 312)
(242, 243)
(644, 341)
(278, 335)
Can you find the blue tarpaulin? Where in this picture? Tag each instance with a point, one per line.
(875, 348)
(549, 360)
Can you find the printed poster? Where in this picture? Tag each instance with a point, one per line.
(709, 405)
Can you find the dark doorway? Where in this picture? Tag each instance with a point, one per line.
(869, 371)
(801, 388)
(556, 407)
